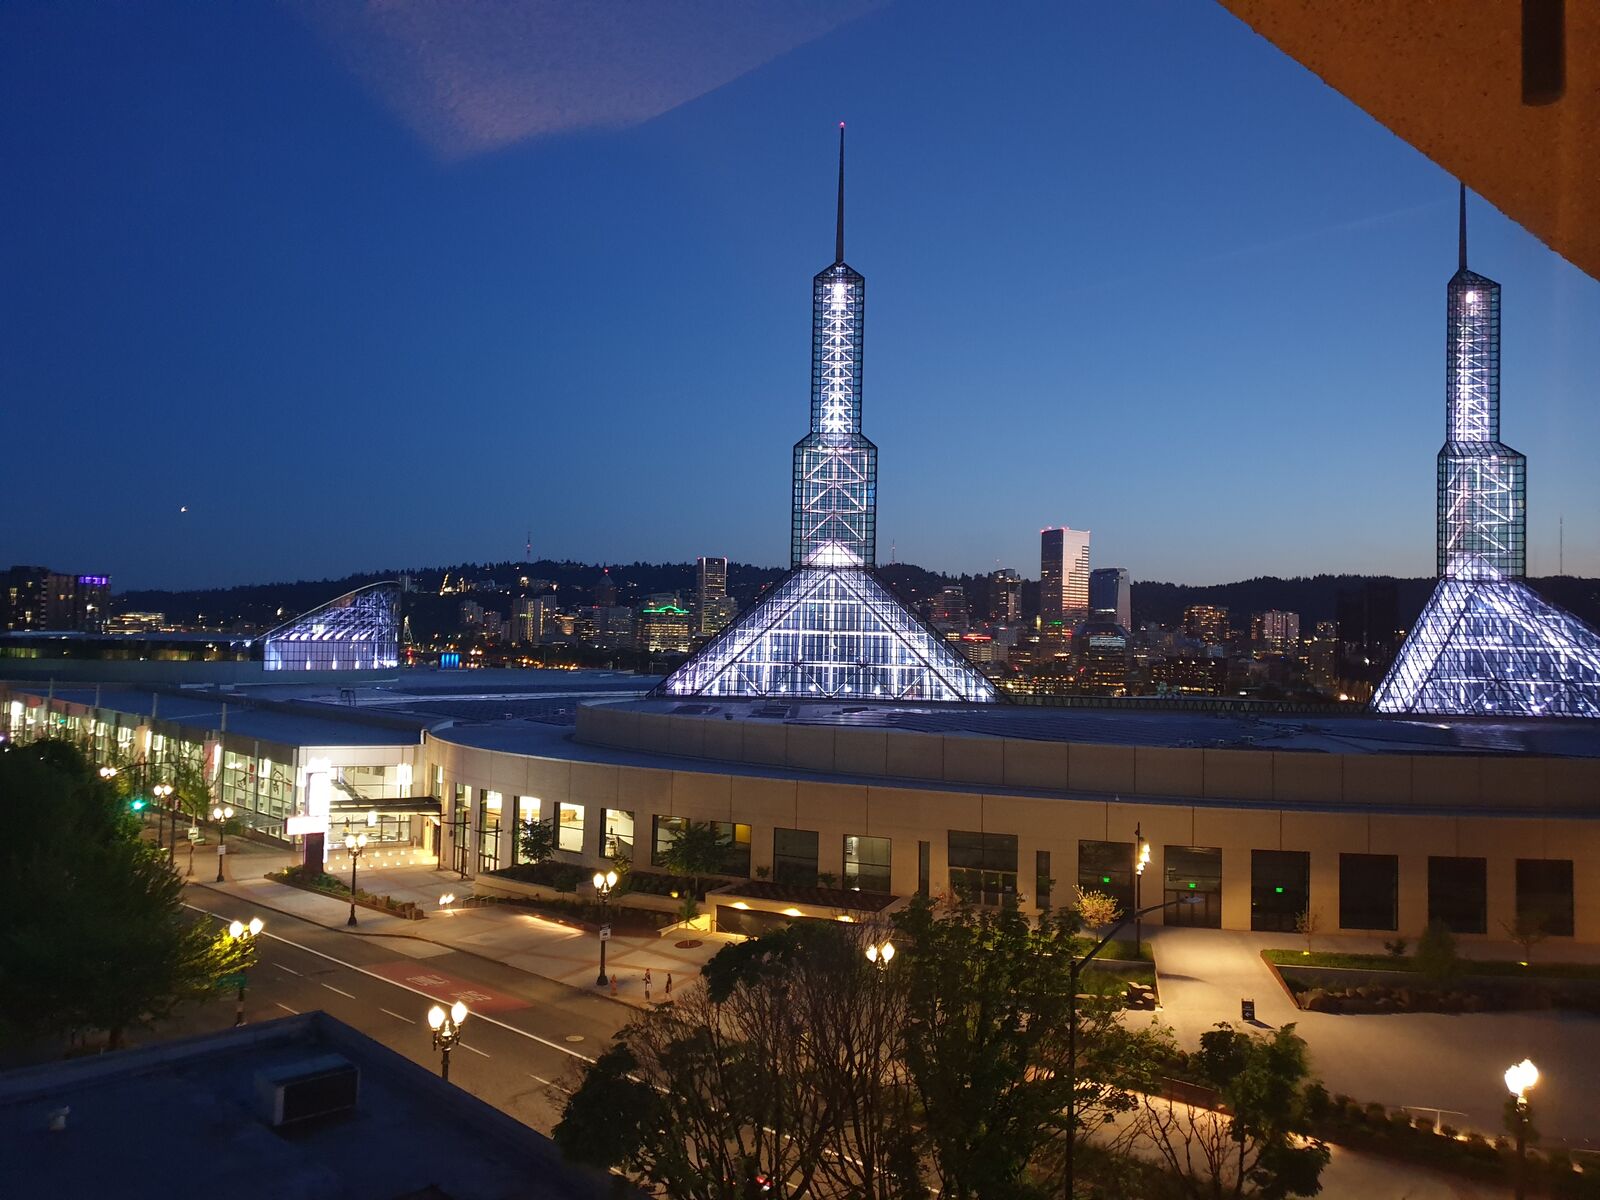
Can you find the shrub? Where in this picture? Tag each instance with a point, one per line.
(1317, 1102)
(1437, 956)
(1424, 1124)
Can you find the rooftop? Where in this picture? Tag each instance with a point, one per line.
(208, 1088)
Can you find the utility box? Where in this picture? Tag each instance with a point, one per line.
(305, 1090)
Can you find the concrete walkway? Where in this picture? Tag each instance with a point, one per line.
(1427, 1060)
(503, 933)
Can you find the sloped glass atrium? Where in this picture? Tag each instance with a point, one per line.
(359, 631)
(830, 632)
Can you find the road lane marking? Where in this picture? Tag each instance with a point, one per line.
(549, 1083)
(281, 967)
(278, 937)
(341, 991)
(474, 1049)
(397, 1016)
(287, 1009)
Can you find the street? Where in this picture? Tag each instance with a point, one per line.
(519, 1047)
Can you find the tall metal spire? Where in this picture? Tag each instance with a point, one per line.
(838, 243)
(1463, 226)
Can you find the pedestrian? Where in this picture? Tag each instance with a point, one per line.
(613, 985)
(647, 977)
(669, 983)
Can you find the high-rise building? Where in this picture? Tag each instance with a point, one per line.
(1063, 575)
(1486, 644)
(605, 591)
(663, 625)
(947, 609)
(1206, 623)
(39, 598)
(1005, 596)
(469, 614)
(1277, 632)
(831, 629)
(1100, 651)
(1110, 597)
(713, 607)
(529, 618)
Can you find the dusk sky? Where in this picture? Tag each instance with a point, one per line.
(392, 285)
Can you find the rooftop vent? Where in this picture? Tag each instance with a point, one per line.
(308, 1089)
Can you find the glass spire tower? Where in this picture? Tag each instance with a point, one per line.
(831, 629)
(1486, 644)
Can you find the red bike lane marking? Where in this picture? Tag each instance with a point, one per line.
(441, 985)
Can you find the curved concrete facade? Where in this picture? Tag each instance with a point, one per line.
(1435, 814)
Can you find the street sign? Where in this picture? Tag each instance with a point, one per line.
(605, 933)
(194, 833)
(1247, 1010)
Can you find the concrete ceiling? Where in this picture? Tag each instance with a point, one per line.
(1447, 76)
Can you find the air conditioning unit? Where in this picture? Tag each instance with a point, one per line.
(307, 1089)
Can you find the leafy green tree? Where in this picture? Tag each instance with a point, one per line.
(989, 1002)
(1257, 1149)
(537, 841)
(96, 934)
(698, 849)
(1437, 957)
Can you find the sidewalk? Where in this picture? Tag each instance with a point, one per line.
(502, 933)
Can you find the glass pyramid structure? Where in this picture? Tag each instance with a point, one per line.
(1486, 644)
(831, 629)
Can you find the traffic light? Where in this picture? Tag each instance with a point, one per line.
(137, 804)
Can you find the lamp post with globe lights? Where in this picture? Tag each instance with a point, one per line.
(221, 814)
(353, 846)
(1520, 1079)
(1141, 860)
(446, 1028)
(239, 931)
(880, 954)
(603, 883)
(163, 797)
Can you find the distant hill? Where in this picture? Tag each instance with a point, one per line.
(1315, 597)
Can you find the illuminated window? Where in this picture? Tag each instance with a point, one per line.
(569, 834)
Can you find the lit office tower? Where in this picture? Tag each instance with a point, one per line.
(1063, 575)
(1486, 644)
(830, 629)
(1110, 597)
(713, 607)
(1005, 596)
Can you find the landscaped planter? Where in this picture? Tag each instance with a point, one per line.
(1353, 990)
(405, 909)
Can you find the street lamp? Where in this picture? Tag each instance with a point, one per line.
(603, 883)
(446, 1028)
(240, 932)
(220, 815)
(108, 772)
(353, 846)
(1140, 862)
(879, 954)
(1519, 1079)
(163, 794)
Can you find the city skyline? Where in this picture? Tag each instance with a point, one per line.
(411, 331)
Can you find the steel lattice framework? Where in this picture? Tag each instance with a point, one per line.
(1486, 644)
(831, 629)
(358, 631)
(830, 633)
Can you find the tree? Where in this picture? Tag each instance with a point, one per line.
(699, 848)
(537, 841)
(1437, 958)
(1256, 1148)
(1527, 931)
(1306, 923)
(1096, 910)
(784, 1065)
(989, 999)
(96, 934)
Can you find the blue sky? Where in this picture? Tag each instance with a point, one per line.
(1129, 268)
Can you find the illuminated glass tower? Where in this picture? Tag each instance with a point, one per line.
(1486, 644)
(835, 466)
(831, 629)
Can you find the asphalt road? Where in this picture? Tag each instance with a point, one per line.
(526, 1039)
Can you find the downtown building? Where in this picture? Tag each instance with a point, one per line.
(1110, 597)
(1063, 575)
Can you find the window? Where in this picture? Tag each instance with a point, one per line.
(1107, 867)
(866, 863)
(527, 813)
(735, 843)
(490, 807)
(619, 835)
(794, 856)
(1041, 879)
(1193, 892)
(924, 870)
(1458, 894)
(1280, 889)
(460, 827)
(983, 866)
(569, 835)
(1369, 891)
(1544, 894)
